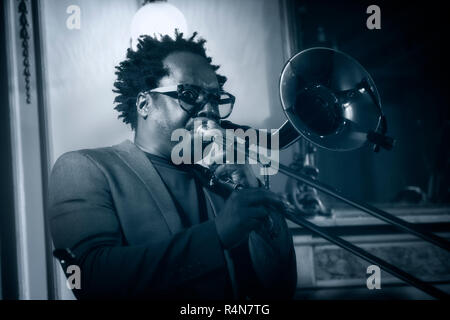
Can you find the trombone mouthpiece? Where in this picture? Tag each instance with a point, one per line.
(204, 127)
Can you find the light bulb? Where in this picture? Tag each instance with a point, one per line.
(157, 19)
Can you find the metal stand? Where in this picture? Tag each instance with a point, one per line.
(305, 198)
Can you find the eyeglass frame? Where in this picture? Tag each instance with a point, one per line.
(174, 92)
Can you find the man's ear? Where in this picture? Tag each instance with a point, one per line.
(143, 105)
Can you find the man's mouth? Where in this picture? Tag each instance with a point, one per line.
(205, 122)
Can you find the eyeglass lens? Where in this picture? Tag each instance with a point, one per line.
(192, 100)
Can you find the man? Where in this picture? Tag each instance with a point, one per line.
(140, 227)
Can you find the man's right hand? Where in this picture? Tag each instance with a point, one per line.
(243, 212)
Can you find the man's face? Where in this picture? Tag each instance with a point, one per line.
(185, 68)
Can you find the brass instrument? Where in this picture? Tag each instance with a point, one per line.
(330, 100)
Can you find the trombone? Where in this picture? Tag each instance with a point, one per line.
(330, 100)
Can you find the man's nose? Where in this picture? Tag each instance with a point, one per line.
(209, 110)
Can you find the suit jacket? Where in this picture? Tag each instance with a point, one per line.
(111, 208)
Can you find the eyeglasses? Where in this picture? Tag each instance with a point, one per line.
(192, 98)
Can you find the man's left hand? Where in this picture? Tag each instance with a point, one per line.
(239, 173)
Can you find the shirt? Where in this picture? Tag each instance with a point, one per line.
(185, 189)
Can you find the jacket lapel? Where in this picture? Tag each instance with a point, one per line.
(214, 202)
(138, 162)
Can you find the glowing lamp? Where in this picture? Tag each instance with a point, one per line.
(157, 19)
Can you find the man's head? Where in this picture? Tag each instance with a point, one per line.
(161, 63)
(165, 111)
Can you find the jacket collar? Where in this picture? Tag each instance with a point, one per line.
(138, 162)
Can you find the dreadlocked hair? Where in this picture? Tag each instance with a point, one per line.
(142, 69)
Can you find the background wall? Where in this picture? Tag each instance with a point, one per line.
(245, 38)
(80, 71)
(80, 74)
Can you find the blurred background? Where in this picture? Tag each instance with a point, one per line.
(57, 81)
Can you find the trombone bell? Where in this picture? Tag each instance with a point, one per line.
(330, 100)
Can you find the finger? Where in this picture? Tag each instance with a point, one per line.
(253, 195)
(256, 213)
(256, 197)
(259, 197)
(221, 170)
(255, 223)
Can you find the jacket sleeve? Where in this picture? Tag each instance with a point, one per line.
(82, 218)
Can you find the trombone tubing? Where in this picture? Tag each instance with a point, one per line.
(429, 289)
(389, 218)
(380, 214)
